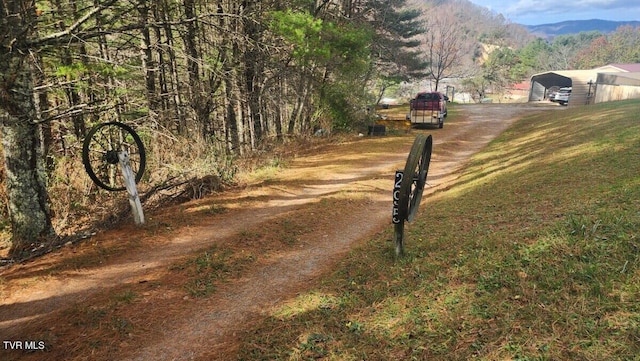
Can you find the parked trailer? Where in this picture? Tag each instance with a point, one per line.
(428, 108)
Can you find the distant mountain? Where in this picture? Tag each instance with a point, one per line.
(577, 26)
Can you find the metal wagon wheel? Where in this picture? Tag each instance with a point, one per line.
(100, 154)
(412, 185)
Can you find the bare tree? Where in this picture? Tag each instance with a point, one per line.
(444, 45)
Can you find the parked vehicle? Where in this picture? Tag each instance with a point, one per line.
(562, 96)
(552, 93)
(428, 108)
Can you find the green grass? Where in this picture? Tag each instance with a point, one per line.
(210, 267)
(533, 254)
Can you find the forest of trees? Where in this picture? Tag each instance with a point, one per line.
(204, 79)
(207, 81)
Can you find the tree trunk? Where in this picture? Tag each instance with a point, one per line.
(25, 182)
(175, 91)
(73, 96)
(25, 171)
(146, 57)
(198, 101)
(164, 77)
(42, 109)
(234, 117)
(254, 69)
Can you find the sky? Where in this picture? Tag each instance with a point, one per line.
(536, 12)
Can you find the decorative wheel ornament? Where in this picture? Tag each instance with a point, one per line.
(409, 186)
(100, 154)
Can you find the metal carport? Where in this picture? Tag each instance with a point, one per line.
(581, 81)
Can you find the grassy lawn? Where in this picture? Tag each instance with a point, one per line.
(533, 254)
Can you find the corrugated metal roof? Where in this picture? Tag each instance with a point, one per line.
(570, 74)
(627, 67)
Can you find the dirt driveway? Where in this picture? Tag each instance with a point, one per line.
(121, 295)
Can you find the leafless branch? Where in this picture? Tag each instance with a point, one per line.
(68, 32)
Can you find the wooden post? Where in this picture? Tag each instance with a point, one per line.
(130, 183)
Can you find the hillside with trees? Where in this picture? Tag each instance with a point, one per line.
(549, 31)
(490, 53)
(208, 83)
